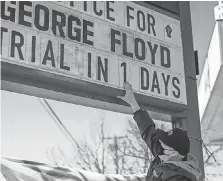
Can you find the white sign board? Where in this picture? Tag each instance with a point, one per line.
(102, 42)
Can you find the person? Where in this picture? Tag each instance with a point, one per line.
(172, 161)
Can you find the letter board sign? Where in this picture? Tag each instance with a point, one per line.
(106, 43)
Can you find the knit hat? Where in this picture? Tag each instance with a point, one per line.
(176, 139)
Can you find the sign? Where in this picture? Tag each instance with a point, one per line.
(102, 42)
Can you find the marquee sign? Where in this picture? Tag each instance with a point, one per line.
(106, 43)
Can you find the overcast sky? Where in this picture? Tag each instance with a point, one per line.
(28, 130)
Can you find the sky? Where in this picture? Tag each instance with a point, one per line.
(27, 125)
(201, 11)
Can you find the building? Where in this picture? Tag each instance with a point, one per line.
(210, 85)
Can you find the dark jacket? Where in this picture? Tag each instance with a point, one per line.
(175, 169)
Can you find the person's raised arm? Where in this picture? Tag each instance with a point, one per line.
(143, 120)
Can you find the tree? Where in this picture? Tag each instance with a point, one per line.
(127, 154)
(92, 157)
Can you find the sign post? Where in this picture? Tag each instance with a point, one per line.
(193, 120)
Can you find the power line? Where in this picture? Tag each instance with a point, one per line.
(57, 120)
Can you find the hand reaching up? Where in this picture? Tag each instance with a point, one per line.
(129, 97)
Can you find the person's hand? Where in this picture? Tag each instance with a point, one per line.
(129, 97)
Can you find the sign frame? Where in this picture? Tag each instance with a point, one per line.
(107, 96)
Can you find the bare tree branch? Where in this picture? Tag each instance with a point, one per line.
(126, 154)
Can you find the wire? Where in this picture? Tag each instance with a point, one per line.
(207, 150)
(57, 120)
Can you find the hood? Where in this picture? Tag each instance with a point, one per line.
(191, 165)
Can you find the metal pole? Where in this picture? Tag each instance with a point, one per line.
(193, 120)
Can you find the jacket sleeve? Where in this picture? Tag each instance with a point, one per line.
(148, 132)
